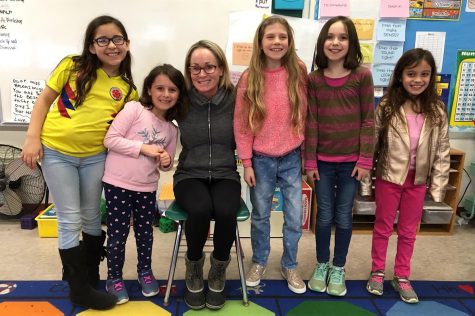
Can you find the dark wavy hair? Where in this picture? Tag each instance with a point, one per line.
(354, 57)
(426, 103)
(181, 107)
(86, 64)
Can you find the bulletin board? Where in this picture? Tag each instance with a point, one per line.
(459, 36)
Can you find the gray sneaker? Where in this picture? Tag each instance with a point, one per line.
(294, 281)
(375, 283)
(254, 275)
(318, 281)
(405, 290)
(336, 281)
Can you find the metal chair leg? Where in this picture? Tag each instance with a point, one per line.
(171, 272)
(237, 244)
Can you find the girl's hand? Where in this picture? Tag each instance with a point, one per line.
(165, 159)
(313, 175)
(32, 151)
(359, 172)
(151, 151)
(249, 177)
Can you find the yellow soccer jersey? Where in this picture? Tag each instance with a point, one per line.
(80, 131)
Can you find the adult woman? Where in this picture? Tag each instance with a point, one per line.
(206, 183)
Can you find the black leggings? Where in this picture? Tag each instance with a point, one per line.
(203, 201)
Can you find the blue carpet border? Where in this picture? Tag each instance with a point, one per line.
(271, 294)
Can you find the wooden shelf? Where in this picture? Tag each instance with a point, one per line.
(363, 224)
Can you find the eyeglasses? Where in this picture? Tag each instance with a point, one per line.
(104, 41)
(196, 70)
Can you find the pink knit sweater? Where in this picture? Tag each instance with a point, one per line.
(276, 137)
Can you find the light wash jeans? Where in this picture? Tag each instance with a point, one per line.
(286, 171)
(76, 186)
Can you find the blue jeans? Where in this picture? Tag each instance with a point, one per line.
(335, 192)
(76, 186)
(269, 171)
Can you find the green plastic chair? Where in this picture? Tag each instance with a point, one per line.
(176, 213)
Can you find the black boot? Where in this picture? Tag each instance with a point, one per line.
(81, 292)
(215, 297)
(194, 293)
(94, 251)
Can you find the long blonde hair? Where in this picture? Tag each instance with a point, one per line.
(256, 110)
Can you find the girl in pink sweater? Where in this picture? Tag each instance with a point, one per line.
(141, 141)
(269, 118)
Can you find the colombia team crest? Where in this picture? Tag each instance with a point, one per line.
(115, 93)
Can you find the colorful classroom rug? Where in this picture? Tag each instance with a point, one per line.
(50, 298)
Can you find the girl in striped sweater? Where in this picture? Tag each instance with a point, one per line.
(339, 137)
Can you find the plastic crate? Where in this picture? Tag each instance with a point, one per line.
(28, 221)
(47, 227)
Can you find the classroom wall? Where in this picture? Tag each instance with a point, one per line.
(162, 31)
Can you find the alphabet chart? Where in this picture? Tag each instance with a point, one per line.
(463, 107)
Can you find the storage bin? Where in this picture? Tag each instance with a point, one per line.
(28, 221)
(47, 227)
(436, 213)
(362, 207)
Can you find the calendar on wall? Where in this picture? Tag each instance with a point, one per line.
(463, 106)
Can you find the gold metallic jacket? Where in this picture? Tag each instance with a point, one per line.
(432, 156)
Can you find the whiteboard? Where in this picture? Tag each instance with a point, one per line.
(36, 34)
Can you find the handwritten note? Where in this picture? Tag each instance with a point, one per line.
(10, 23)
(23, 96)
(388, 52)
(382, 74)
(242, 53)
(330, 8)
(364, 28)
(367, 51)
(391, 30)
(394, 9)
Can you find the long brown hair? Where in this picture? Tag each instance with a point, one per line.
(255, 112)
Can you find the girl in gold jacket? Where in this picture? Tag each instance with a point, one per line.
(412, 152)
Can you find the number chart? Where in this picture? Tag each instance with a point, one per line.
(463, 107)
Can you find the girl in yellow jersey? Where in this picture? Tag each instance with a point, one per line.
(87, 91)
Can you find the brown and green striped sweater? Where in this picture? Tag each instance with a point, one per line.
(340, 120)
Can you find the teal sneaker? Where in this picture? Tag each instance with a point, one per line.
(117, 288)
(336, 281)
(148, 283)
(318, 281)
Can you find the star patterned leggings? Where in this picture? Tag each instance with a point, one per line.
(121, 205)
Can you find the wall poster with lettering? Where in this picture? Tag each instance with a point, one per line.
(435, 9)
(23, 96)
(463, 105)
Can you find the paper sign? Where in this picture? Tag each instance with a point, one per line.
(391, 30)
(23, 97)
(364, 28)
(367, 51)
(382, 74)
(235, 76)
(394, 9)
(388, 52)
(330, 8)
(242, 53)
(263, 4)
